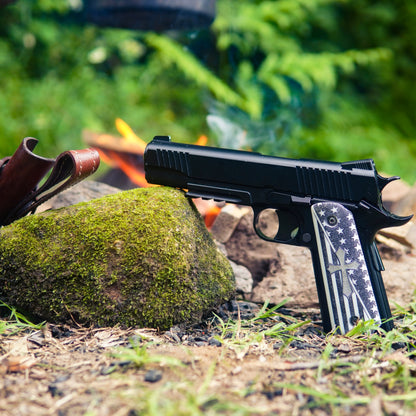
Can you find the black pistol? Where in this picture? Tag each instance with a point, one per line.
(334, 209)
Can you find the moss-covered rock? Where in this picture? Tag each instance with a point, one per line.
(140, 257)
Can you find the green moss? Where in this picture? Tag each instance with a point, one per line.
(141, 257)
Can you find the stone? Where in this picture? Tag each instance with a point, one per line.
(279, 271)
(81, 192)
(405, 205)
(246, 248)
(153, 376)
(226, 222)
(141, 257)
(243, 278)
(404, 235)
(400, 279)
(411, 235)
(394, 192)
(293, 280)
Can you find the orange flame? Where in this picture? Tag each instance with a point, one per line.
(211, 215)
(202, 141)
(135, 175)
(105, 158)
(128, 134)
(116, 152)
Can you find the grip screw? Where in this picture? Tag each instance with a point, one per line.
(332, 221)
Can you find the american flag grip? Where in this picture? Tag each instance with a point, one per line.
(346, 272)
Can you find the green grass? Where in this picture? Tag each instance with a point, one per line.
(243, 333)
(139, 356)
(15, 321)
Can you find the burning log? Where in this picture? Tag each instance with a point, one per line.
(140, 257)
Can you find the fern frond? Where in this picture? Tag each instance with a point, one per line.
(175, 53)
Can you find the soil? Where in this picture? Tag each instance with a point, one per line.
(69, 370)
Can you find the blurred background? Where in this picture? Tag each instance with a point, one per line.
(328, 79)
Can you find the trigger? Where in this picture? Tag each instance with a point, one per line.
(288, 226)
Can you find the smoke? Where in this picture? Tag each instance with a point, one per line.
(235, 129)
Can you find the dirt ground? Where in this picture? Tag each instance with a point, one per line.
(245, 367)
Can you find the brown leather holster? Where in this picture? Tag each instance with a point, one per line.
(21, 174)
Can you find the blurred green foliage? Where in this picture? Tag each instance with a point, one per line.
(329, 79)
(60, 76)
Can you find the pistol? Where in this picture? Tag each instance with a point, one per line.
(334, 209)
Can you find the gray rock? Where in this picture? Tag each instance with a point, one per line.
(243, 278)
(81, 192)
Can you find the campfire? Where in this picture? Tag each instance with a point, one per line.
(125, 153)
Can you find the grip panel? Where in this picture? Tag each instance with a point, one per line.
(349, 285)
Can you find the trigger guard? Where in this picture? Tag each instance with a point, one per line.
(288, 227)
